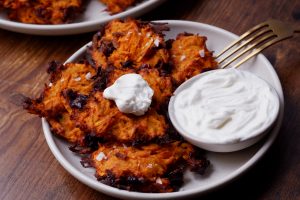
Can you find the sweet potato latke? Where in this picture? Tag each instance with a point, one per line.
(190, 57)
(128, 45)
(150, 168)
(102, 118)
(116, 6)
(138, 153)
(54, 11)
(43, 11)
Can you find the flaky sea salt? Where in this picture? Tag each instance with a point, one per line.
(148, 43)
(202, 53)
(88, 76)
(156, 42)
(77, 79)
(101, 156)
(158, 181)
(182, 57)
(149, 165)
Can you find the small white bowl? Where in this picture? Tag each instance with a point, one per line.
(236, 142)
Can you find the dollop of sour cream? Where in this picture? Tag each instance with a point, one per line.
(131, 93)
(226, 106)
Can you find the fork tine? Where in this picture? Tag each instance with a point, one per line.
(258, 50)
(256, 39)
(255, 28)
(245, 43)
(268, 36)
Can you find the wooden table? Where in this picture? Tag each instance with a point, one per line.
(28, 170)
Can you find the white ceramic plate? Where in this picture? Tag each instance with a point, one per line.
(90, 19)
(225, 166)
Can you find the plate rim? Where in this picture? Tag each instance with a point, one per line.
(108, 190)
(77, 27)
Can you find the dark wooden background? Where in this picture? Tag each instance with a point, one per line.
(28, 170)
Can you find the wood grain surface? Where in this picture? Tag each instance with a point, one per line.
(28, 170)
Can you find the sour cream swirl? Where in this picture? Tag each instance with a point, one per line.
(131, 93)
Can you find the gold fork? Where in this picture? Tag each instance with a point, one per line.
(254, 41)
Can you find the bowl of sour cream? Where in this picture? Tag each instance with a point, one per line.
(224, 110)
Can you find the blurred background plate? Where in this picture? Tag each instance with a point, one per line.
(90, 19)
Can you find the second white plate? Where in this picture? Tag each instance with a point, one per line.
(91, 19)
(225, 166)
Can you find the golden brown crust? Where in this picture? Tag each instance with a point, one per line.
(71, 76)
(190, 57)
(43, 11)
(149, 168)
(117, 6)
(55, 11)
(117, 73)
(13, 4)
(162, 86)
(130, 44)
(102, 118)
(63, 126)
(97, 116)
